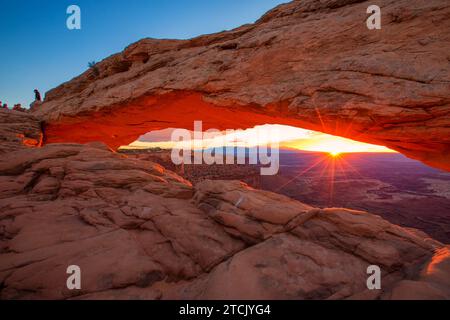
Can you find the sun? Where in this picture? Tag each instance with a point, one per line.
(335, 154)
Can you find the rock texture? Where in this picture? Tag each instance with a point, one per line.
(312, 64)
(18, 130)
(139, 231)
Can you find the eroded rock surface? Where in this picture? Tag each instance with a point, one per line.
(124, 222)
(18, 130)
(312, 64)
(139, 231)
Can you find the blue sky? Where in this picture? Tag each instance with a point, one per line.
(38, 51)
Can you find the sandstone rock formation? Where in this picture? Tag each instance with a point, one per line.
(18, 130)
(140, 231)
(312, 64)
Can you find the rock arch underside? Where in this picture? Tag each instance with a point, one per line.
(310, 64)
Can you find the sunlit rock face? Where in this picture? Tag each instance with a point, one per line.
(311, 63)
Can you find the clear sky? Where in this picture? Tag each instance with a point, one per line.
(38, 51)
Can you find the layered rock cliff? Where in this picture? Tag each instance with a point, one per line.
(312, 64)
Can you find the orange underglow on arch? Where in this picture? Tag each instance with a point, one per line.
(121, 125)
(124, 124)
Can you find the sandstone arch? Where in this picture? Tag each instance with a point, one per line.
(306, 63)
(139, 230)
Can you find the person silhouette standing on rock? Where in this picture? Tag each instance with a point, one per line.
(37, 95)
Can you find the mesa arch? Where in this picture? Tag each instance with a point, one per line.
(307, 64)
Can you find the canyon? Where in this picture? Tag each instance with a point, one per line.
(140, 231)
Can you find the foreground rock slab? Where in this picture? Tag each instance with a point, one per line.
(139, 231)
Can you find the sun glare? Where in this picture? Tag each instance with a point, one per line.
(284, 136)
(333, 145)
